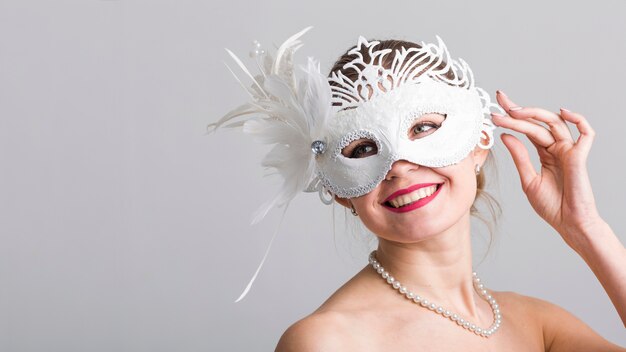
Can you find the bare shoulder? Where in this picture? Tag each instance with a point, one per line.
(320, 331)
(562, 331)
(332, 327)
(534, 307)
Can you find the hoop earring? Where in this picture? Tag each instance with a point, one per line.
(326, 196)
(353, 210)
(477, 169)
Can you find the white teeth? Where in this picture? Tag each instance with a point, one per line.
(413, 196)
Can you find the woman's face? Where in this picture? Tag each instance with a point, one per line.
(415, 202)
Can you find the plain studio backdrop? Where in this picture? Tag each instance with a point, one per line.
(125, 227)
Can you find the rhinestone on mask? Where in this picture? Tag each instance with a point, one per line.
(318, 147)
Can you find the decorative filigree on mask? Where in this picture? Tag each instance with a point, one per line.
(409, 65)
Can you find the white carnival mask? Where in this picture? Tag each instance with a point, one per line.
(310, 119)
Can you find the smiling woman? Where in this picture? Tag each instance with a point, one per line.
(398, 133)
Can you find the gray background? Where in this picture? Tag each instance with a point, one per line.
(123, 227)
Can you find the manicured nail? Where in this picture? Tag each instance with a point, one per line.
(564, 109)
(500, 92)
(495, 114)
(515, 108)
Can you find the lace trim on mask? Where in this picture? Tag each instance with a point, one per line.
(360, 190)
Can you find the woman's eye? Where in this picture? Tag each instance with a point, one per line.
(362, 150)
(426, 125)
(423, 129)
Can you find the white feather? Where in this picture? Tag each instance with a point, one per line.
(245, 70)
(287, 110)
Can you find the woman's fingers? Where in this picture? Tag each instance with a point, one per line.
(557, 125)
(521, 159)
(536, 133)
(587, 134)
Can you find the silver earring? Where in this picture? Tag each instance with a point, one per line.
(353, 210)
(477, 169)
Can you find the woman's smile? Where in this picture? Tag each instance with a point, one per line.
(412, 198)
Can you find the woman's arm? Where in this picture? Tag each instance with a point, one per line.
(606, 256)
(561, 191)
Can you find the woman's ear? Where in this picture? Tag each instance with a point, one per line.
(480, 153)
(343, 201)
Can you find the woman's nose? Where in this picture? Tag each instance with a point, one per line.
(400, 168)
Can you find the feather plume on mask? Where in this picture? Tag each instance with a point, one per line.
(288, 110)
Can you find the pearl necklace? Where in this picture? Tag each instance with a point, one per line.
(423, 302)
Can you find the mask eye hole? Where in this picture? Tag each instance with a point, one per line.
(426, 125)
(360, 148)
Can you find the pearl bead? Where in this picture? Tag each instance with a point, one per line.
(432, 306)
(402, 289)
(454, 317)
(424, 302)
(385, 275)
(446, 313)
(410, 295)
(396, 284)
(439, 310)
(390, 279)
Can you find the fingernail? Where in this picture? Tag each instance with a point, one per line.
(515, 108)
(500, 92)
(564, 109)
(495, 114)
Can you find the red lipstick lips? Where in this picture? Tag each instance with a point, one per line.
(415, 205)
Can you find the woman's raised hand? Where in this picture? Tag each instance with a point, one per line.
(560, 192)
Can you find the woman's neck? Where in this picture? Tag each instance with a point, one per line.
(438, 268)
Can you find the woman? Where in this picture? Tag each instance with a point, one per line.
(398, 135)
